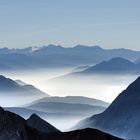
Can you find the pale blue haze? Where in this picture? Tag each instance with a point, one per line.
(108, 23)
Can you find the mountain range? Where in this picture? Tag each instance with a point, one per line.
(73, 100)
(53, 56)
(11, 87)
(121, 118)
(67, 109)
(14, 127)
(115, 65)
(12, 90)
(58, 106)
(49, 108)
(59, 110)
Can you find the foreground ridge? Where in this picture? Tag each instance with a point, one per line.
(14, 127)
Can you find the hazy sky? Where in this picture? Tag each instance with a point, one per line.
(108, 23)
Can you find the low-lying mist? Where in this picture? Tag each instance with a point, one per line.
(57, 82)
(100, 86)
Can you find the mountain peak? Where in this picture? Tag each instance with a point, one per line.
(34, 116)
(41, 125)
(54, 46)
(51, 46)
(1, 109)
(84, 46)
(2, 77)
(116, 64)
(5, 80)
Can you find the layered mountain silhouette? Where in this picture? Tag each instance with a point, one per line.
(26, 113)
(12, 90)
(14, 127)
(73, 100)
(8, 85)
(114, 65)
(67, 109)
(61, 109)
(121, 118)
(58, 56)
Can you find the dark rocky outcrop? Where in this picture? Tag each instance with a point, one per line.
(14, 127)
(36, 122)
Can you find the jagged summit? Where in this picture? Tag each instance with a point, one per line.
(87, 47)
(36, 122)
(34, 116)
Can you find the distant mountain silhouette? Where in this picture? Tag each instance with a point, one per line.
(74, 100)
(12, 91)
(54, 49)
(62, 109)
(114, 65)
(35, 90)
(14, 127)
(57, 117)
(9, 86)
(26, 112)
(78, 106)
(30, 88)
(121, 118)
(58, 56)
(67, 109)
(20, 82)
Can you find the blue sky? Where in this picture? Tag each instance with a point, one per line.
(108, 23)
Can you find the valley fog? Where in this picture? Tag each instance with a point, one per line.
(55, 83)
(58, 82)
